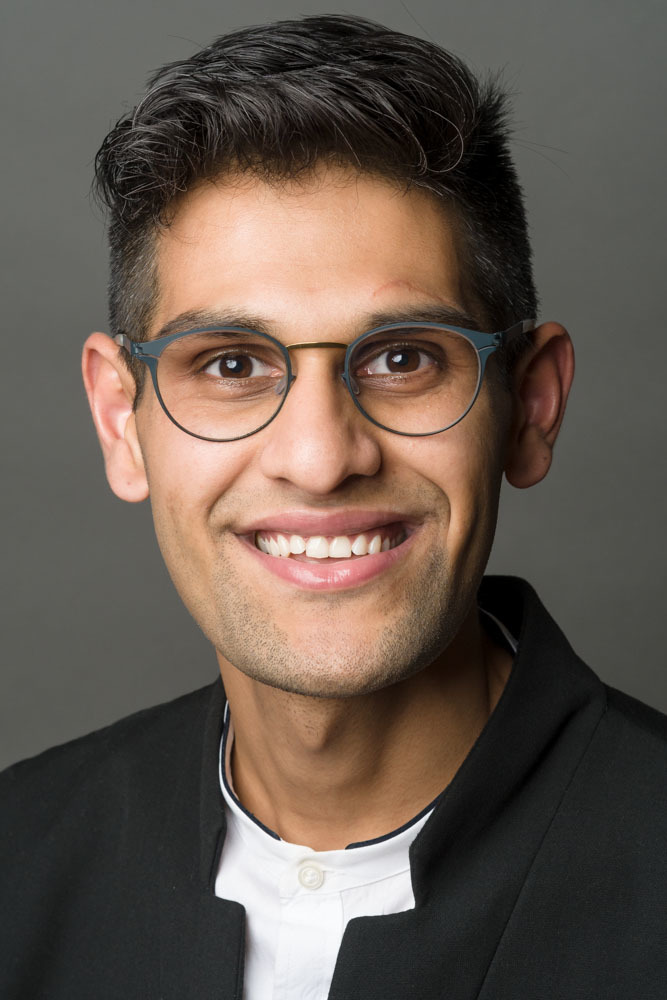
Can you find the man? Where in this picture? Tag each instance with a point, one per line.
(324, 358)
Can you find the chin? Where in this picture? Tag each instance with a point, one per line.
(341, 670)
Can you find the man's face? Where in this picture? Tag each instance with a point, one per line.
(320, 261)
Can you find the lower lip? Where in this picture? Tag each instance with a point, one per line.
(339, 574)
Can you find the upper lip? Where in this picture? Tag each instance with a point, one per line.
(310, 522)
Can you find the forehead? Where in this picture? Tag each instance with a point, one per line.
(326, 250)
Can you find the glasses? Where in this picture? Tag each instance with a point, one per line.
(226, 383)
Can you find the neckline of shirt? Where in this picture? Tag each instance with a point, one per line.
(251, 828)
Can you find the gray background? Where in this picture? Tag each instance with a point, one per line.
(92, 628)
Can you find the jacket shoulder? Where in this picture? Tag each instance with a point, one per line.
(649, 724)
(619, 786)
(97, 769)
(635, 738)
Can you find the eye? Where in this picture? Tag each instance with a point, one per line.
(238, 366)
(396, 360)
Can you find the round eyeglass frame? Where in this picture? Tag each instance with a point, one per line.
(149, 351)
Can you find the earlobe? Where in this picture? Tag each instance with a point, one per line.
(542, 383)
(110, 390)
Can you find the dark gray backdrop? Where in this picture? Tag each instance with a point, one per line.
(92, 628)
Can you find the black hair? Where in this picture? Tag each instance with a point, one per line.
(280, 99)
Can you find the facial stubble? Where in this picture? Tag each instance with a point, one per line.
(346, 657)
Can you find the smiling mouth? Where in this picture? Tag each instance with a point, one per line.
(315, 548)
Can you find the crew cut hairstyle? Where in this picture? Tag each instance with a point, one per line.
(280, 99)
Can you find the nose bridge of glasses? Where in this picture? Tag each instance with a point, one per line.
(330, 344)
(336, 345)
(316, 343)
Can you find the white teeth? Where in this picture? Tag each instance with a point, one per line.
(360, 546)
(283, 545)
(317, 547)
(340, 548)
(375, 545)
(297, 545)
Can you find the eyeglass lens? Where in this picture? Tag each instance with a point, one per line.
(226, 384)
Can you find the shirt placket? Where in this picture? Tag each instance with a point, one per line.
(311, 918)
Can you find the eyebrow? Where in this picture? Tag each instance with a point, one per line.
(425, 313)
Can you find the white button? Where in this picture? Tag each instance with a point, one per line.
(310, 876)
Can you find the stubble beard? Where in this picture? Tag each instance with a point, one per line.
(332, 664)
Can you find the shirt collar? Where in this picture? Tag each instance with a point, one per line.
(381, 856)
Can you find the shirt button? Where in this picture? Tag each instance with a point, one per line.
(310, 875)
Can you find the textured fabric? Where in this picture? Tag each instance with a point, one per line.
(542, 872)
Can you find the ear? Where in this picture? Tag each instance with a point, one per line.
(110, 388)
(542, 381)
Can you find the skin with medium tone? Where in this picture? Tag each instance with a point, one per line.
(354, 701)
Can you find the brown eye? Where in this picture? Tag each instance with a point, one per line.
(396, 361)
(403, 361)
(237, 366)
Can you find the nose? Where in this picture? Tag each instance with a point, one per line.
(319, 439)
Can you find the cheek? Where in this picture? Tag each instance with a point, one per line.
(187, 479)
(464, 466)
(475, 508)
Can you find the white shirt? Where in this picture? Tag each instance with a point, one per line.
(298, 901)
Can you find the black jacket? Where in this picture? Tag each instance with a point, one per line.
(542, 873)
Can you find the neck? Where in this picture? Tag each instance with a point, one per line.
(329, 772)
